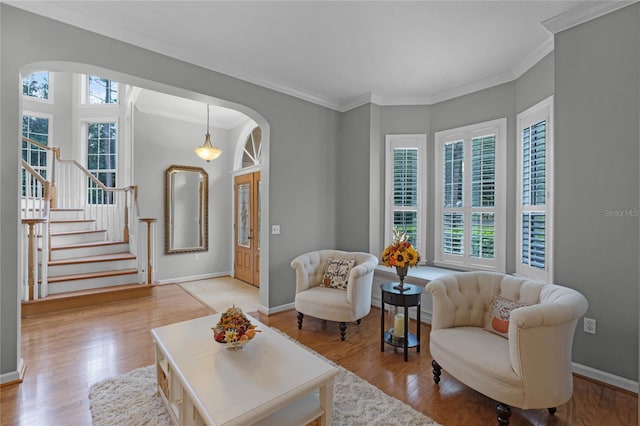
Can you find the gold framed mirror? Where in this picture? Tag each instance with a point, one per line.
(186, 209)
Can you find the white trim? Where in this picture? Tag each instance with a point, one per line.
(419, 142)
(14, 376)
(466, 134)
(543, 110)
(584, 12)
(604, 377)
(533, 58)
(276, 309)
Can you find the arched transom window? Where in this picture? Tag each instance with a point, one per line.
(252, 152)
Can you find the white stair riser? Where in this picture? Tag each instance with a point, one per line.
(66, 214)
(76, 285)
(65, 240)
(70, 253)
(89, 267)
(56, 227)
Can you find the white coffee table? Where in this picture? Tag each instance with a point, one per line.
(272, 380)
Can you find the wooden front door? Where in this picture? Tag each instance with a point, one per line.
(247, 228)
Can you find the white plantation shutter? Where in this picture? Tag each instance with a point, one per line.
(470, 196)
(534, 227)
(405, 187)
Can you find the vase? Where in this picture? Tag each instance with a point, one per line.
(402, 272)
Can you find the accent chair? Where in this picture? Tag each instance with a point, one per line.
(507, 337)
(334, 285)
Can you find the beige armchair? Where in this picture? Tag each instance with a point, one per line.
(531, 367)
(333, 304)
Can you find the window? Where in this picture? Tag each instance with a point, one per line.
(405, 183)
(252, 151)
(535, 135)
(470, 196)
(102, 141)
(37, 129)
(101, 91)
(36, 85)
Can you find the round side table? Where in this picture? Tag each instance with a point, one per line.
(406, 298)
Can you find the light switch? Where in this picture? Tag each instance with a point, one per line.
(275, 229)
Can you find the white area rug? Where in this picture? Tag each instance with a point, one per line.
(132, 399)
(224, 292)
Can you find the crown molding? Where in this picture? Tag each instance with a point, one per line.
(582, 13)
(533, 58)
(59, 12)
(575, 16)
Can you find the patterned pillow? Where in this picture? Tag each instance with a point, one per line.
(499, 313)
(337, 273)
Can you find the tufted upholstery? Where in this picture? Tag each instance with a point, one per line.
(330, 303)
(530, 369)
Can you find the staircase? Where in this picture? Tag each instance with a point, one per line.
(84, 268)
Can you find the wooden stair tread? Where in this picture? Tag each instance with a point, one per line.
(72, 220)
(86, 245)
(100, 290)
(100, 274)
(65, 210)
(89, 259)
(85, 298)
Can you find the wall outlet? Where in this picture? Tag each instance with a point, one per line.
(197, 257)
(275, 229)
(590, 326)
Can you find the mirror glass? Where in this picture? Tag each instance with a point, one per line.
(186, 215)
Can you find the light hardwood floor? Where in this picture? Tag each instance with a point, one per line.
(66, 353)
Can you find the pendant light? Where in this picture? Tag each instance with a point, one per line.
(207, 151)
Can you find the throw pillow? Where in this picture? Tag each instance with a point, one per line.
(336, 275)
(499, 313)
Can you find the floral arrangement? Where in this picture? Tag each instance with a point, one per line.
(400, 253)
(234, 328)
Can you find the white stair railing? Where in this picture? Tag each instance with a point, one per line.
(69, 185)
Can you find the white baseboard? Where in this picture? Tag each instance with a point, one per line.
(604, 377)
(195, 277)
(268, 311)
(14, 376)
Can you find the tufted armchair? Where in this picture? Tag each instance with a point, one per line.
(531, 368)
(333, 304)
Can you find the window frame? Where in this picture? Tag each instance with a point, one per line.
(49, 100)
(497, 127)
(543, 110)
(85, 122)
(84, 93)
(411, 141)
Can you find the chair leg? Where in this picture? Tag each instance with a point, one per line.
(504, 412)
(358, 321)
(343, 330)
(300, 316)
(552, 410)
(437, 371)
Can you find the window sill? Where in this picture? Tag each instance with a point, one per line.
(420, 275)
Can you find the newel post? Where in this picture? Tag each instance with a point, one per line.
(31, 261)
(149, 222)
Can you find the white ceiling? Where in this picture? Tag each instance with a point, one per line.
(338, 54)
(183, 109)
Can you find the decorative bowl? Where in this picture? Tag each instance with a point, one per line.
(234, 329)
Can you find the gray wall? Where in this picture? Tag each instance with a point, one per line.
(596, 194)
(353, 181)
(160, 142)
(300, 163)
